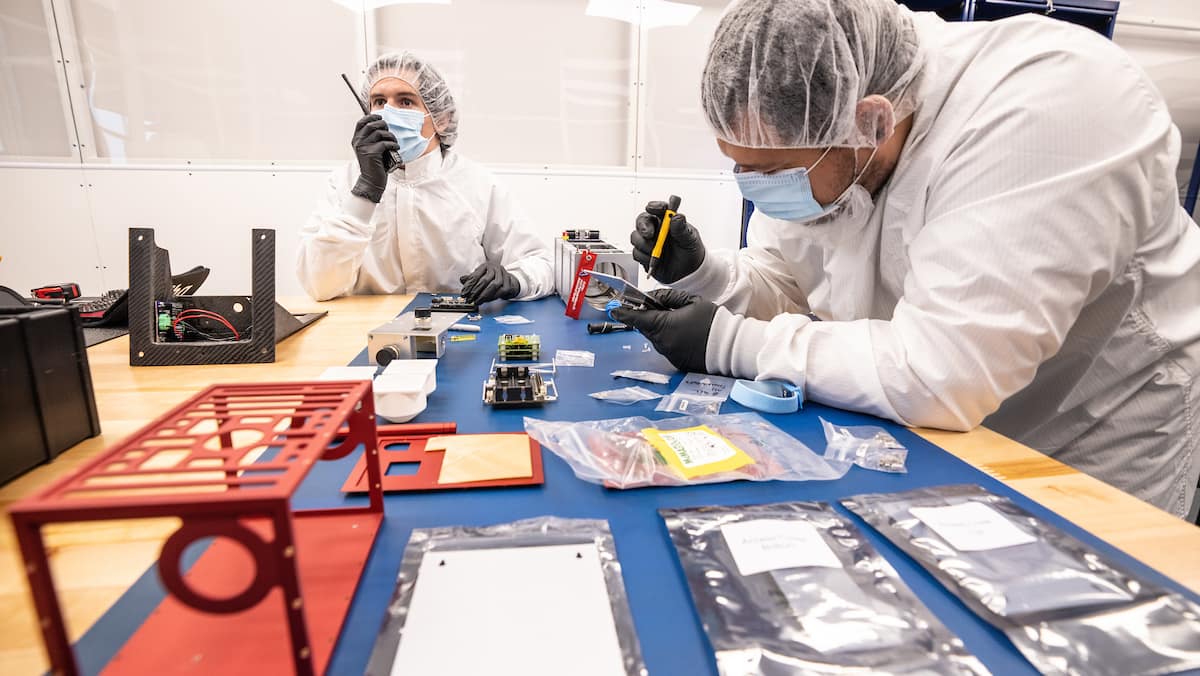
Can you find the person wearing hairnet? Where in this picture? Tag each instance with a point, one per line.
(956, 224)
(434, 222)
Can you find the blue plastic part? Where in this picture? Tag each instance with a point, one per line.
(767, 396)
(747, 212)
(1189, 202)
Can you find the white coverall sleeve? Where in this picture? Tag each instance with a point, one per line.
(334, 239)
(755, 281)
(509, 238)
(1032, 214)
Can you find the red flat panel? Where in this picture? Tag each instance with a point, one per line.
(426, 476)
(177, 639)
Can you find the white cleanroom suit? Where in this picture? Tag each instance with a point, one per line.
(1027, 266)
(439, 218)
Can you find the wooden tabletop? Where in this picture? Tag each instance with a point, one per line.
(96, 562)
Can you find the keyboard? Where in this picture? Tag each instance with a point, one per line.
(94, 309)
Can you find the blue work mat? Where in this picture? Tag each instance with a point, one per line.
(672, 639)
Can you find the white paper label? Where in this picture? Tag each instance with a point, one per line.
(972, 526)
(696, 448)
(771, 544)
(705, 386)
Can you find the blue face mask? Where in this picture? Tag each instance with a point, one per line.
(786, 195)
(406, 126)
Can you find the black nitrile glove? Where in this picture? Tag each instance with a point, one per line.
(679, 334)
(373, 144)
(682, 253)
(489, 281)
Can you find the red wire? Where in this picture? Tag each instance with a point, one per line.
(205, 314)
(195, 313)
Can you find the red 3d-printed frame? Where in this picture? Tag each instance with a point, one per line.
(226, 462)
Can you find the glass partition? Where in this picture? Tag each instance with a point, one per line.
(537, 81)
(34, 120)
(219, 80)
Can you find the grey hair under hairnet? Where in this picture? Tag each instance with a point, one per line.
(429, 83)
(789, 73)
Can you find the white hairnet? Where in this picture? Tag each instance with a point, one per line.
(430, 85)
(790, 73)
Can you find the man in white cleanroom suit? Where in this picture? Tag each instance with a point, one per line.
(434, 222)
(984, 215)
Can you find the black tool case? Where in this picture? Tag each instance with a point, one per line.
(46, 399)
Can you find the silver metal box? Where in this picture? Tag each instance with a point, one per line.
(610, 260)
(401, 339)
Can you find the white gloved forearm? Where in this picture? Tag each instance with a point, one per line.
(536, 275)
(734, 343)
(712, 279)
(333, 244)
(782, 349)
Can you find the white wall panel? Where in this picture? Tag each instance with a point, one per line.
(558, 202)
(1162, 10)
(204, 218)
(46, 230)
(1170, 54)
(713, 206)
(610, 204)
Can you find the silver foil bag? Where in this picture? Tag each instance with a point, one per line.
(1063, 605)
(569, 543)
(794, 589)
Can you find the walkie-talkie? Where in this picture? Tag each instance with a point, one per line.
(367, 111)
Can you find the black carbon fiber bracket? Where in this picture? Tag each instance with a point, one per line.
(150, 281)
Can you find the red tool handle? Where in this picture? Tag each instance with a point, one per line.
(65, 291)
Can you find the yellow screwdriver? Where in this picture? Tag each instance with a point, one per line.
(672, 207)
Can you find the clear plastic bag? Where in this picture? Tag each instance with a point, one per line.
(867, 446)
(1062, 604)
(644, 376)
(636, 451)
(588, 541)
(574, 358)
(509, 320)
(626, 396)
(697, 394)
(794, 589)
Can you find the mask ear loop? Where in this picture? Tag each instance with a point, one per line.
(812, 166)
(858, 176)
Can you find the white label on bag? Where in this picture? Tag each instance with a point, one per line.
(972, 526)
(771, 544)
(704, 385)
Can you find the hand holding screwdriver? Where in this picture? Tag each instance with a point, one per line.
(672, 208)
(682, 250)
